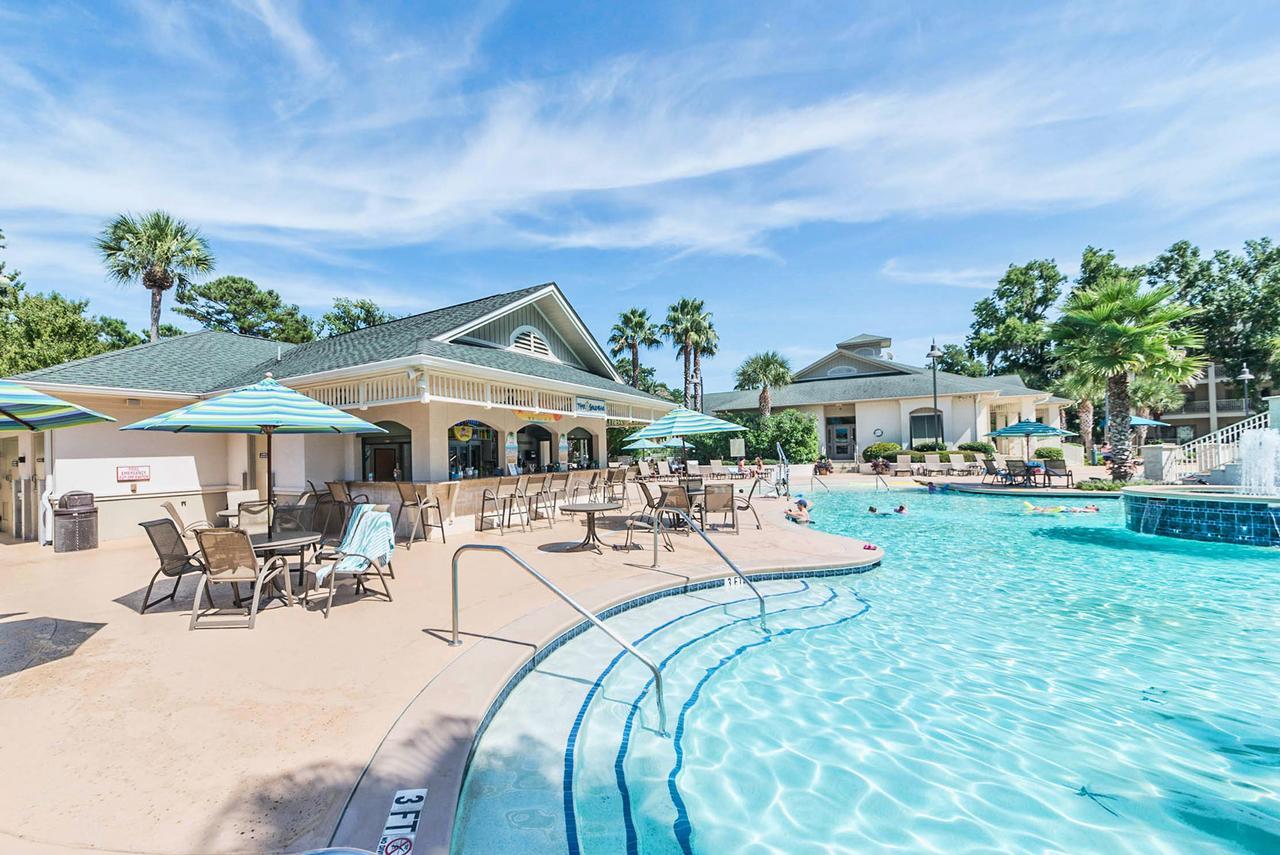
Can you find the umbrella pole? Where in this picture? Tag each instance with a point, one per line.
(271, 492)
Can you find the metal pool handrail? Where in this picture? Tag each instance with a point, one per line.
(693, 526)
(648, 663)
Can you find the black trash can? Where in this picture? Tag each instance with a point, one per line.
(75, 522)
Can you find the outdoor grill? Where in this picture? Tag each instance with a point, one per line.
(75, 522)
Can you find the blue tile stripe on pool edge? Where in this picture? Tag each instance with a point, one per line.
(682, 827)
(570, 814)
(619, 772)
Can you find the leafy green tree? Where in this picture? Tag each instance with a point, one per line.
(632, 331)
(764, 371)
(956, 360)
(236, 304)
(1238, 297)
(1010, 330)
(1097, 265)
(156, 250)
(116, 335)
(1115, 329)
(351, 315)
(647, 380)
(39, 330)
(796, 432)
(684, 328)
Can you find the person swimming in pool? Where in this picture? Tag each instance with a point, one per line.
(901, 509)
(1087, 509)
(800, 513)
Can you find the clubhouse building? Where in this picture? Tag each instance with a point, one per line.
(859, 395)
(464, 392)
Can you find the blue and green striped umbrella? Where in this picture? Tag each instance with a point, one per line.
(266, 407)
(640, 445)
(685, 422)
(1028, 428)
(26, 409)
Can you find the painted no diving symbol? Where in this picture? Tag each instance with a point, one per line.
(399, 846)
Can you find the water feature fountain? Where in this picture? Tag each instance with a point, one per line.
(1247, 513)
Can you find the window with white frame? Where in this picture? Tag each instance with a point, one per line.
(531, 340)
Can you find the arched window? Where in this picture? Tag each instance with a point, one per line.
(841, 371)
(582, 449)
(473, 450)
(926, 425)
(532, 453)
(387, 456)
(531, 340)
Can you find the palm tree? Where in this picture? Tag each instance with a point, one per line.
(1153, 396)
(766, 370)
(156, 250)
(633, 331)
(706, 344)
(1084, 390)
(683, 327)
(1114, 330)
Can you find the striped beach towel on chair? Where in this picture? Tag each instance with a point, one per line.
(369, 533)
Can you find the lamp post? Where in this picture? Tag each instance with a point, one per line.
(1246, 377)
(933, 356)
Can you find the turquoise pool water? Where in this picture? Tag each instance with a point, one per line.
(1003, 682)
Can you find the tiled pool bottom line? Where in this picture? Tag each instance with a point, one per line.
(579, 628)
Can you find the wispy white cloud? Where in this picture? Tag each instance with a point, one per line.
(396, 142)
(981, 278)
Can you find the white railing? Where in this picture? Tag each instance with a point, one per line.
(1211, 451)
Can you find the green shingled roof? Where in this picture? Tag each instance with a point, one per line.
(189, 364)
(212, 361)
(911, 383)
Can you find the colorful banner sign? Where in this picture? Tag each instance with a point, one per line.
(529, 416)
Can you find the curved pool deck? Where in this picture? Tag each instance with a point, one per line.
(155, 739)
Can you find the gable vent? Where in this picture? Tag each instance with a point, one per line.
(529, 340)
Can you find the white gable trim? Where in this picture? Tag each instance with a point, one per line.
(554, 291)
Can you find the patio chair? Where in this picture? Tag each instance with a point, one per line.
(1058, 469)
(693, 469)
(541, 501)
(693, 485)
(187, 527)
(720, 499)
(591, 488)
(933, 465)
(674, 498)
(743, 503)
(343, 500)
(615, 487)
(648, 515)
(903, 464)
(664, 471)
(254, 517)
(959, 466)
(718, 469)
(496, 504)
(1020, 474)
(175, 560)
(558, 490)
(229, 559)
(419, 501)
(994, 472)
(367, 547)
(299, 516)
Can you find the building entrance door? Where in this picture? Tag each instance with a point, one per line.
(385, 463)
(841, 439)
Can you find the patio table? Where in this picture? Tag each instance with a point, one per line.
(592, 540)
(288, 541)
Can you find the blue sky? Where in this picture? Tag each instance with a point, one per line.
(811, 171)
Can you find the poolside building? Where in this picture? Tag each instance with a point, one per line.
(859, 395)
(463, 392)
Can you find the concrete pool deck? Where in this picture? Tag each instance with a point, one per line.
(122, 732)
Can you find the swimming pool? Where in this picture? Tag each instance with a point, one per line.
(1004, 681)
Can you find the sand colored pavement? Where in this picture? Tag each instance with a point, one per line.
(125, 732)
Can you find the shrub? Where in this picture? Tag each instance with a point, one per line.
(986, 449)
(881, 450)
(796, 432)
(1102, 486)
(1051, 452)
(930, 446)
